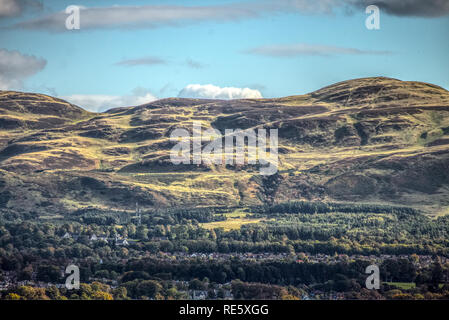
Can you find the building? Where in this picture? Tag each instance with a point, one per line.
(94, 238)
(121, 242)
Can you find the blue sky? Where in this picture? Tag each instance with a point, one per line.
(109, 63)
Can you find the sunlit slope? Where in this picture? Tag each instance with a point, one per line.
(370, 140)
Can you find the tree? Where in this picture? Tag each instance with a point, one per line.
(30, 293)
(120, 293)
(101, 295)
(148, 288)
(437, 275)
(13, 296)
(196, 284)
(53, 293)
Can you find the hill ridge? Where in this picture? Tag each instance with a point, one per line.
(351, 141)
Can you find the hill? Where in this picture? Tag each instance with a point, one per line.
(376, 140)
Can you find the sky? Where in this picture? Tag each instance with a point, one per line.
(133, 52)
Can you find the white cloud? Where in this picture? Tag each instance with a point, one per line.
(15, 67)
(99, 102)
(304, 49)
(210, 91)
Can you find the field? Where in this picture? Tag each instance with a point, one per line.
(402, 285)
(230, 224)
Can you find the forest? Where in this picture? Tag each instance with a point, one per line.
(297, 250)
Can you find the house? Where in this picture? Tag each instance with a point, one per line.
(228, 295)
(121, 242)
(71, 236)
(198, 295)
(94, 237)
(159, 238)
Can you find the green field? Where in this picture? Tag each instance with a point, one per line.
(402, 285)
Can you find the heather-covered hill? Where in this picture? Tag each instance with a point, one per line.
(374, 140)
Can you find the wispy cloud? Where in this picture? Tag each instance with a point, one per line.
(14, 8)
(194, 64)
(9, 8)
(416, 8)
(145, 61)
(304, 49)
(15, 67)
(150, 16)
(153, 16)
(410, 8)
(152, 61)
(210, 91)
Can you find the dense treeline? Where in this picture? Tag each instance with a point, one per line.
(285, 272)
(154, 278)
(323, 207)
(349, 233)
(162, 216)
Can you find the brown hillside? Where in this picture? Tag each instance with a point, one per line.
(371, 140)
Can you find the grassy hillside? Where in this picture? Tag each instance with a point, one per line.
(375, 140)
